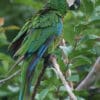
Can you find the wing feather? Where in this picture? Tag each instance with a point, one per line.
(44, 26)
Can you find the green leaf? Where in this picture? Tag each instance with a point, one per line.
(88, 38)
(80, 98)
(80, 60)
(97, 49)
(4, 93)
(66, 49)
(74, 78)
(5, 57)
(13, 27)
(43, 94)
(82, 93)
(3, 40)
(29, 3)
(87, 6)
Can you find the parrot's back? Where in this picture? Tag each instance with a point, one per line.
(36, 31)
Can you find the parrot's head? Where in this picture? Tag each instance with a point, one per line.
(63, 5)
(73, 4)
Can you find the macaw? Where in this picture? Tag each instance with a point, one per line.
(35, 38)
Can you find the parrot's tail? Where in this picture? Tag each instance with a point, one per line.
(26, 84)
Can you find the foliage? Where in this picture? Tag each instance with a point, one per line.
(81, 32)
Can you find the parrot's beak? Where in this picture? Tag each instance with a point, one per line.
(73, 4)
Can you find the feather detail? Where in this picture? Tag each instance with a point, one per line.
(34, 39)
(25, 91)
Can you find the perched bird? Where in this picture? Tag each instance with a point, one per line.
(35, 38)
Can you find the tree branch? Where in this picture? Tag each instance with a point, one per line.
(66, 62)
(57, 67)
(10, 77)
(15, 64)
(92, 76)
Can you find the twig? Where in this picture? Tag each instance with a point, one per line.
(57, 67)
(92, 76)
(65, 58)
(15, 64)
(38, 81)
(66, 62)
(10, 77)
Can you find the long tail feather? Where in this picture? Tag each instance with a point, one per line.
(25, 91)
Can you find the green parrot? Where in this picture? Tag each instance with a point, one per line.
(35, 38)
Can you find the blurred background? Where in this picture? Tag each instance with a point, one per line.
(82, 35)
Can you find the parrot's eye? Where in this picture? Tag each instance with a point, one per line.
(73, 4)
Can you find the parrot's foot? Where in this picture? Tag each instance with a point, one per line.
(47, 61)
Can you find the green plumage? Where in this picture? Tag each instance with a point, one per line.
(59, 5)
(59, 8)
(33, 36)
(33, 41)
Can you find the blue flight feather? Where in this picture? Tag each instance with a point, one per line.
(59, 27)
(33, 64)
(40, 52)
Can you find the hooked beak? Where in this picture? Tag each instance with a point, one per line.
(73, 4)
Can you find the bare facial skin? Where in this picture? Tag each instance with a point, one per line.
(70, 2)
